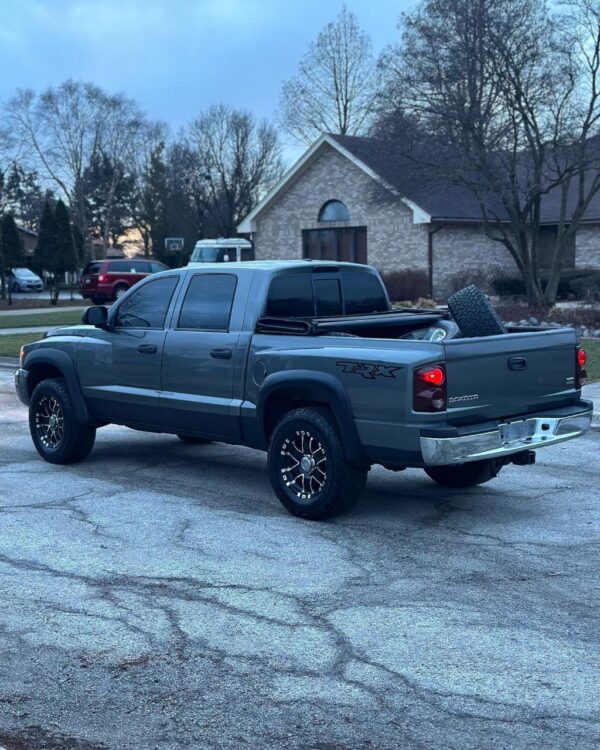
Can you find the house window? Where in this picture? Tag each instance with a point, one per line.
(334, 211)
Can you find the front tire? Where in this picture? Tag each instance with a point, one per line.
(56, 434)
(466, 475)
(307, 467)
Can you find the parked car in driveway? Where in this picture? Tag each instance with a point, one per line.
(25, 280)
(308, 361)
(107, 280)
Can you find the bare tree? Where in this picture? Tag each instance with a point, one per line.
(236, 160)
(65, 130)
(335, 84)
(504, 105)
(59, 130)
(123, 132)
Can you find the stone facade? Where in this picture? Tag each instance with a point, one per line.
(464, 254)
(587, 246)
(393, 241)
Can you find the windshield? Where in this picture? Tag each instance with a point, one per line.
(24, 273)
(212, 254)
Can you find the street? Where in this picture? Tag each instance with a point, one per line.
(158, 596)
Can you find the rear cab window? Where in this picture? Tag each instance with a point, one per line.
(323, 294)
(363, 293)
(291, 296)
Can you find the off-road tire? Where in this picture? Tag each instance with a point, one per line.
(342, 482)
(119, 291)
(466, 475)
(193, 440)
(76, 440)
(474, 314)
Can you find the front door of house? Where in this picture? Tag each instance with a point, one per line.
(336, 243)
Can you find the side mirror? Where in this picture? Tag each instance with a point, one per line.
(95, 316)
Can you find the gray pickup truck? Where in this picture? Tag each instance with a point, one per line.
(308, 361)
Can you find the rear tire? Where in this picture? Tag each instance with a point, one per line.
(193, 440)
(466, 475)
(56, 434)
(307, 467)
(474, 314)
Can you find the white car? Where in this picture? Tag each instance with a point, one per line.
(25, 280)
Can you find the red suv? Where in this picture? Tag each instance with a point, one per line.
(106, 280)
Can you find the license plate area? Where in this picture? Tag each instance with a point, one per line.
(517, 432)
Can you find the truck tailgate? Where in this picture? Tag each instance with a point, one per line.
(511, 374)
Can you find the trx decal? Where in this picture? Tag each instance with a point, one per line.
(368, 370)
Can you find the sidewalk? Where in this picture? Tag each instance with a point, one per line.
(42, 310)
(31, 329)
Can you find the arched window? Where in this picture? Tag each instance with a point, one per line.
(334, 211)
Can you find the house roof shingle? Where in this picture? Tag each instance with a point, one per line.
(443, 202)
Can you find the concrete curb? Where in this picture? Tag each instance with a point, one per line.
(9, 363)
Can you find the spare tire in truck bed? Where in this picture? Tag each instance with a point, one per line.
(474, 314)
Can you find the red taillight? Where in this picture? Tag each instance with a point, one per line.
(429, 388)
(433, 375)
(580, 373)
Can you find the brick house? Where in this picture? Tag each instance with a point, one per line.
(347, 198)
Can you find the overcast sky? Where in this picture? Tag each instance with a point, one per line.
(175, 58)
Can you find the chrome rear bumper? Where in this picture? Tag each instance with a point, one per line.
(507, 438)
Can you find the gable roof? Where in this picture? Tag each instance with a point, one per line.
(248, 224)
(429, 201)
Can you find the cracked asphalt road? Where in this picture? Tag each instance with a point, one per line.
(158, 596)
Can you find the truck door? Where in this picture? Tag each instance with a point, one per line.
(199, 366)
(120, 367)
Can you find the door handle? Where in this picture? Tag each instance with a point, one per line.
(221, 353)
(147, 349)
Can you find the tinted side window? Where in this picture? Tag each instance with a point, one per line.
(92, 268)
(147, 306)
(121, 266)
(291, 296)
(157, 267)
(327, 293)
(208, 301)
(363, 293)
(141, 266)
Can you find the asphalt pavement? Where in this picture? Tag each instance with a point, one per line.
(158, 597)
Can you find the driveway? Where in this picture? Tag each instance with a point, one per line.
(157, 596)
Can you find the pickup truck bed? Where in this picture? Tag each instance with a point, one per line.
(201, 354)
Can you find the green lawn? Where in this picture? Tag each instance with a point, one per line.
(10, 344)
(60, 318)
(592, 347)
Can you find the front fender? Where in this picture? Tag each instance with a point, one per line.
(65, 365)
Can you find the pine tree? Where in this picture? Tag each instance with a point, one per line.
(11, 248)
(45, 250)
(65, 258)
